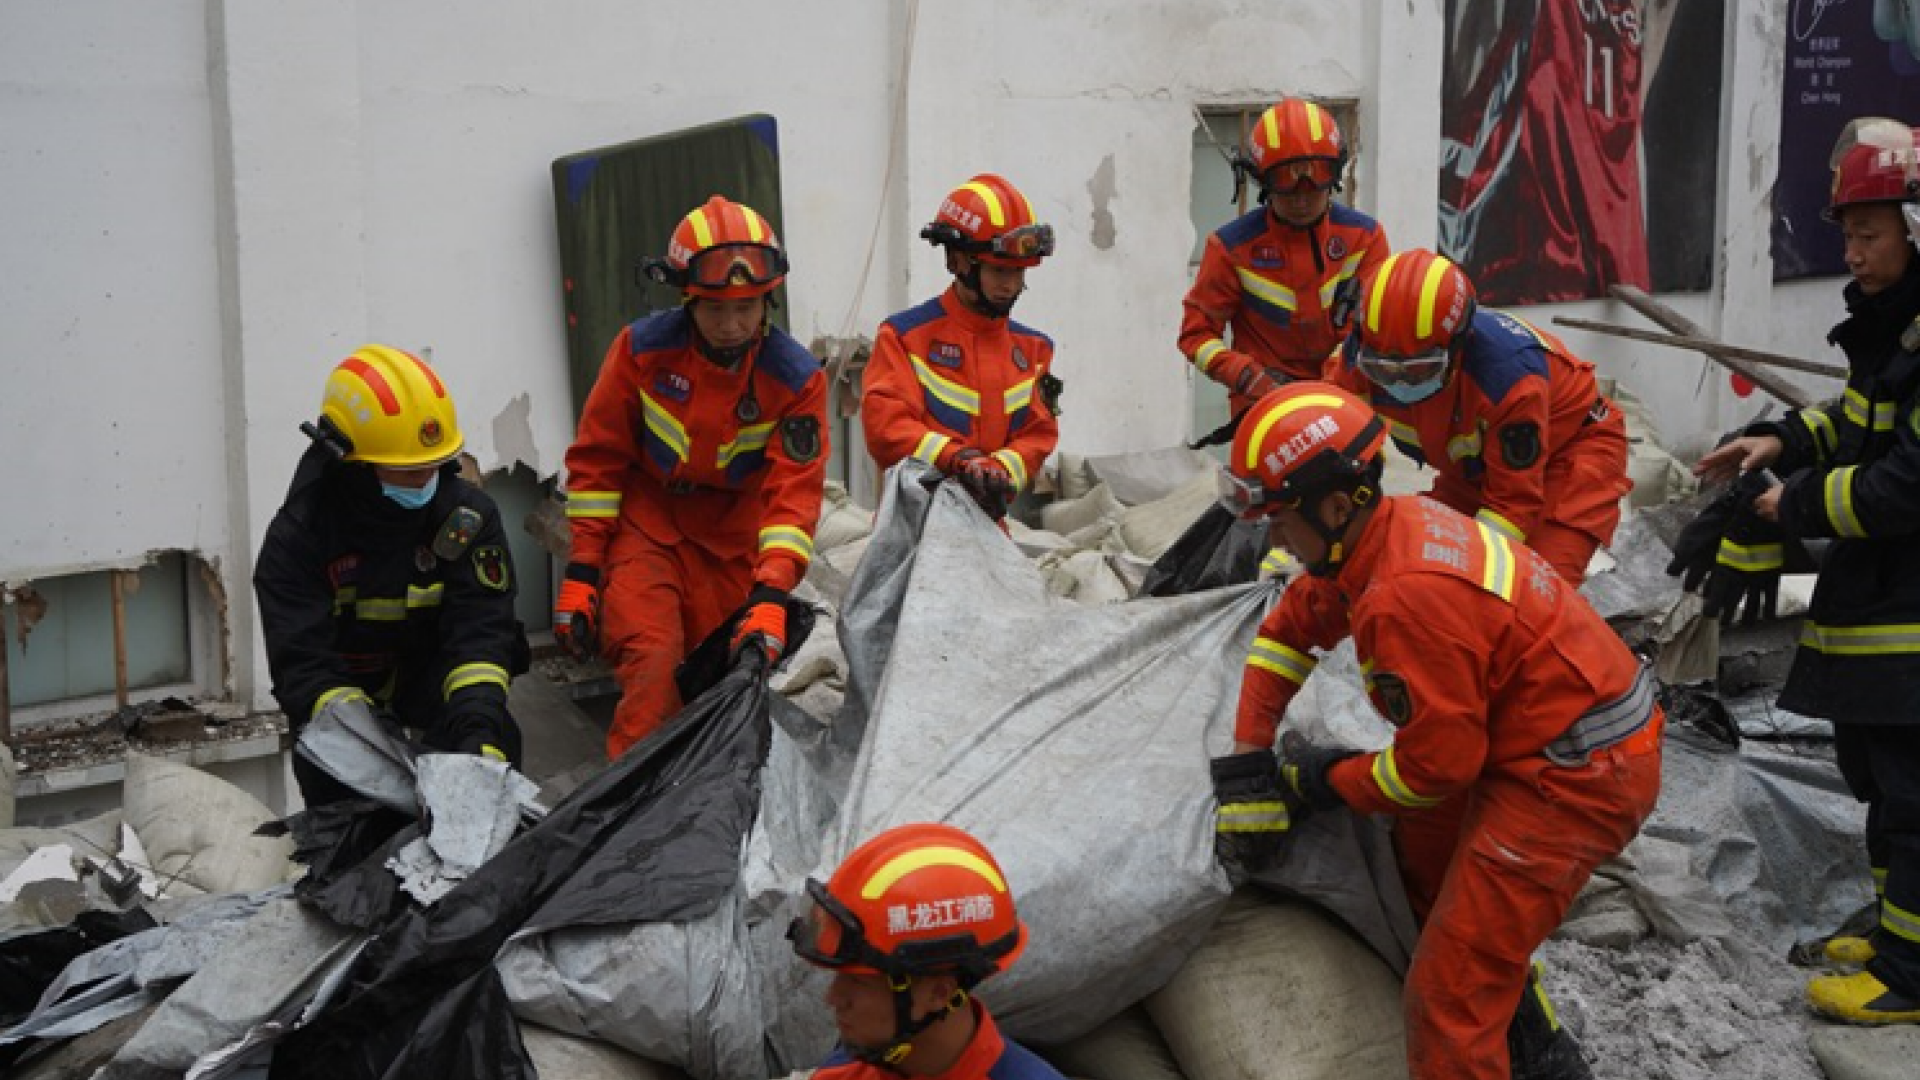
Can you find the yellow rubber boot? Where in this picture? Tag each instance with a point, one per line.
(1848, 951)
(1861, 999)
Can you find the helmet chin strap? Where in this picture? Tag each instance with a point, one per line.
(905, 1027)
(1335, 538)
(971, 279)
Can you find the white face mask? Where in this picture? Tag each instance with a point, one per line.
(411, 498)
(1415, 393)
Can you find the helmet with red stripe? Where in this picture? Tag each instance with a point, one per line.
(384, 406)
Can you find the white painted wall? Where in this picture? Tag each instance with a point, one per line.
(209, 203)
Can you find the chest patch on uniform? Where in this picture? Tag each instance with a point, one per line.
(490, 567)
(343, 571)
(1910, 337)
(455, 534)
(946, 355)
(800, 438)
(672, 385)
(1395, 699)
(1020, 359)
(1266, 257)
(1336, 248)
(1520, 445)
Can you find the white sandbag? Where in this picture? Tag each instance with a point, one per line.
(97, 838)
(1151, 528)
(1083, 576)
(1068, 516)
(568, 1057)
(1127, 1047)
(842, 521)
(198, 828)
(1073, 477)
(1851, 1053)
(846, 557)
(6, 787)
(1657, 475)
(1143, 476)
(1279, 991)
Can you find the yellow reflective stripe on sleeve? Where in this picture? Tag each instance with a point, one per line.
(1386, 774)
(1879, 880)
(1751, 558)
(1820, 427)
(1266, 289)
(1898, 921)
(1501, 525)
(946, 391)
(789, 539)
(474, 674)
(751, 438)
(421, 596)
(1883, 640)
(665, 427)
(1402, 433)
(338, 693)
(1498, 574)
(1290, 664)
(1465, 446)
(1839, 500)
(1332, 284)
(593, 504)
(1204, 356)
(1277, 561)
(1018, 396)
(1016, 468)
(931, 444)
(1253, 817)
(1856, 410)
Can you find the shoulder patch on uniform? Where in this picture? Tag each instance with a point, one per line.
(456, 533)
(1520, 445)
(1395, 699)
(490, 567)
(800, 438)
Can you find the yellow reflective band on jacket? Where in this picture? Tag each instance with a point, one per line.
(664, 427)
(474, 674)
(787, 538)
(593, 504)
(1402, 433)
(1018, 396)
(1497, 576)
(1253, 817)
(1751, 558)
(1207, 353)
(946, 391)
(1887, 640)
(1290, 664)
(1879, 880)
(1820, 428)
(1386, 774)
(1016, 468)
(1493, 520)
(931, 444)
(1855, 409)
(1461, 447)
(338, 693)
(750, 439)
(1277, 561)
(1332, 285)
(388, 608)
(1899, 922)
(1838, 491)
(1267, 289)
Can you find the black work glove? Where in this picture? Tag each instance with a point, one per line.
(1752, 554)
(985, 479)
(1698, 546)
(1256, 811)
(483, 733)
(1305, 766)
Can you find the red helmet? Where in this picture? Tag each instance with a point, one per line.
(1874, 160)
(723, 249)
(1294, 144)
(989, 218)
(1411, 308)
(914, 900)
(1304, 440)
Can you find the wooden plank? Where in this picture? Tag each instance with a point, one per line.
(1707, 346)
(1674, 322)
(116, 586)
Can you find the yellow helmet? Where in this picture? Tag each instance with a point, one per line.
(391, 409)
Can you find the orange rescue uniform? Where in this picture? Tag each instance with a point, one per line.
(1526, 751)
(1521, 436)
(688, 484)
(944, 378)
(1274, 285)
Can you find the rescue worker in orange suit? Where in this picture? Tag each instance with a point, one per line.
(694, 482)
(1850, 470)
(1282, 278)
(909, 924)
(1527, 741)
(385, 583)
(1514, 424)
(955, 381)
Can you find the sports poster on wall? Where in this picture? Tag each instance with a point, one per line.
(1580, 145)
(1844, 59)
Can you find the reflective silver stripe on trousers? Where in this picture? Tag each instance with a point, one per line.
(1605, 725)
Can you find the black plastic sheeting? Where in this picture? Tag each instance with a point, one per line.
(30, 962)
(1217, 549)
(654, 838)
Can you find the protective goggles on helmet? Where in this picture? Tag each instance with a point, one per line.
(1401, 370)
(1025, 242)
(1302, 174)
(721, 266)
(1246, 499)
(833, 937)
